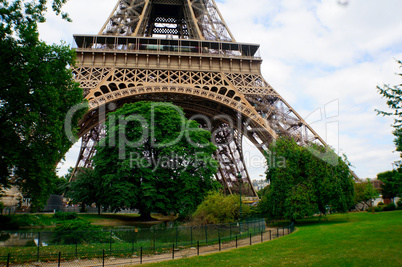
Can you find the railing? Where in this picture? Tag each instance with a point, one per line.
(137, 245)
(169, 46)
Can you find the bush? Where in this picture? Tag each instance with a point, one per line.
(399, 203)
(389, 207)
(65, 216)
(6, 223)
(380, 204)
(77, 231)
(218, 208)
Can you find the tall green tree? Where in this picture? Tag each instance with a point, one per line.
(87, 188)
(364, 193)
(36, 92)
(391, 184)
(306, 184)
(393, 96)
(155, 160)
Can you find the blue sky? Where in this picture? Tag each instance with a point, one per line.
(315, 53)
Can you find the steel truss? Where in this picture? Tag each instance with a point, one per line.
(202, 69)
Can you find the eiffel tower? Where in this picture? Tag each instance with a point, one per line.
(182, 51)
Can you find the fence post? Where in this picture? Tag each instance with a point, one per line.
(270, 235)
(206, 235)
(8, 259)
(191, 229)
(173, 251)
(132, 244)
(250, 239)
(141, 256)
(219, 230)
(277, 232)
(262, 238)
(219, 243)
(177, 234)
(230, 231)
(103, 258)
(38, 246)
(110, 242)
(154, 239)
(59, 259)
(236, 241)
(198, 248)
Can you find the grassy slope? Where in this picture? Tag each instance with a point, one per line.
(357, 239)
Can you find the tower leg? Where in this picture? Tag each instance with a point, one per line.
(231, 161)
(88, 148)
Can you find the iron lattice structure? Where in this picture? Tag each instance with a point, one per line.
(181, 51)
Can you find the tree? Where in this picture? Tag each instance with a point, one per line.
(86, 188)
(155, 160)
(37, 90)
(61, 185)
(306, 184)
(364, 193)
(218, 208)
(392, 184)
(393, 95)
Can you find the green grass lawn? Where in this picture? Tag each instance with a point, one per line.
(355, 239)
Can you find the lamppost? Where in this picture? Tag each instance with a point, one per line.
(239, 178)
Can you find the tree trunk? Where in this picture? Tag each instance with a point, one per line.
(99, 208)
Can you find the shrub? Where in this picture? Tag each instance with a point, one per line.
(380, 204)
(4, 237)
(6, 223)
(65, 216)
(399, 203)
(218, 208)
(389, 207)
(77, 231)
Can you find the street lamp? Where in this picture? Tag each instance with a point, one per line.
(239, 177)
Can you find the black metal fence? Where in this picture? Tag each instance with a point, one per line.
(133, 245)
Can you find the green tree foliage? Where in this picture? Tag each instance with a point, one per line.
(37, 90)
(364, 193)
(155, 160)
(87, 188)
(61, 184)
(219, 208)
(393, 95)
(306, 184)
(79, 231)
(392, 183)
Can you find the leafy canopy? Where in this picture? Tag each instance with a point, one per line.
(306, 184)
(391, 183)
(393, 96)
(218, 208)
(37, 90)
(364, 193)
(154, 159)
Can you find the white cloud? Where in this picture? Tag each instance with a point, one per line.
(314, 52)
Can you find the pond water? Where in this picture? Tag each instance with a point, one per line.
(31, 237)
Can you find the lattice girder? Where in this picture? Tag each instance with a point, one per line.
(193, 19)
(202, 69)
